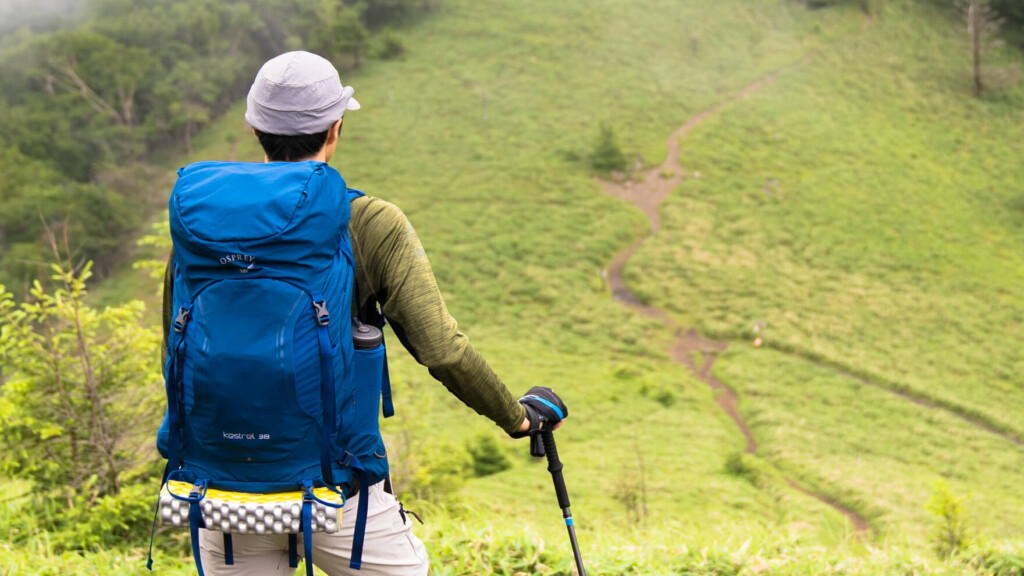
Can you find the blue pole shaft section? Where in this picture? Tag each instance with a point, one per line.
(572, 539)
(555, 468)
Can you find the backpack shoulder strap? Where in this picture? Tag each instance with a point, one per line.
(352, 194)
(387, 404)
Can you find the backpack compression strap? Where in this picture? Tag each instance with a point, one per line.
(307, 525)
(173, 381)
(385, 391)
(327, 392)
(229, 550)
(364, 505)
(293, 550)
(387, 404)
(195, 522)
(175, 409)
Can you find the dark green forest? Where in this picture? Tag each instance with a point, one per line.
(90, 92)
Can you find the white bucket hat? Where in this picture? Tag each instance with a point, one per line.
(297, 93)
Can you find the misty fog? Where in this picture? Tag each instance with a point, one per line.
(37, 14)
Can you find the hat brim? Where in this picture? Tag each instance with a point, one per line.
(296, 122)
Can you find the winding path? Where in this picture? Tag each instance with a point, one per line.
(648, 195)
(689, 345)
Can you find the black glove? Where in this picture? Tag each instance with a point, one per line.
(543, 406)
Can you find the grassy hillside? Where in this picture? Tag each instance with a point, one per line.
(478, 134)
(474, 135)
(518, 233)
(865, 208)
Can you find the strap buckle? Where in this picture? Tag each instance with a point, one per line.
(307, 492)
(181, 320)
(198, 491)
(323, 317)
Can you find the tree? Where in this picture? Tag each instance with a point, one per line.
(606, 155)
(81, 101)
(187, 96)
(340, 33)
(103, 73)
(951, 531)
(487, 456)
(33, 197)
(80, 386)
(983, 24)
(381, 12)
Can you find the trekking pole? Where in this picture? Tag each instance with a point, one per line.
(542, 443)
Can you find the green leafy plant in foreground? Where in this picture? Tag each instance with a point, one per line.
(457, 549)
(1003, 560)
(951, 533)
(79, 384)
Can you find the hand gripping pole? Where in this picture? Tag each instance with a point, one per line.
(542, 443)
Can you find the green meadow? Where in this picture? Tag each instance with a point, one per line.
(862, 206)
(865, 209)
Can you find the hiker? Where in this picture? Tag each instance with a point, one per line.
(296, 107)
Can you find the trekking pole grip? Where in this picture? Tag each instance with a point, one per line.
(555, 468)
(536, 445)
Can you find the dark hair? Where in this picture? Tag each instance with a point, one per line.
(291, 148)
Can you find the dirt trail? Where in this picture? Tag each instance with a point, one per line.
(648, 195)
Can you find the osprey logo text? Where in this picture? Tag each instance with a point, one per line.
(240, 259)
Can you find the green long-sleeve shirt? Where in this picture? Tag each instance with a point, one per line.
(393, 272)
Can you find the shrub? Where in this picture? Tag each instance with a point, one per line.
(606, 155)
(388, 45)
(108, 522)
(1004, 560)
(80, 384)
(425, 470)
(487, 456)
(951, 533)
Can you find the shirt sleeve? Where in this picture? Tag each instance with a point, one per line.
(393, 270)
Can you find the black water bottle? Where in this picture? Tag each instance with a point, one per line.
(365, 336)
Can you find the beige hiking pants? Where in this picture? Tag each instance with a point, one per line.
(390, 548)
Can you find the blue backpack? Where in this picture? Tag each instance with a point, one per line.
(265, 390)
